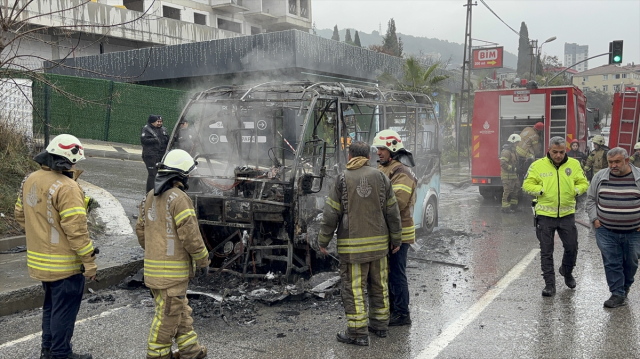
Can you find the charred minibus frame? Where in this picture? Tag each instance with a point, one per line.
(269, 153)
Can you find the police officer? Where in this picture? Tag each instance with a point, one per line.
(60, 254)
(362, 206)
(509, 175)
(168, 231)
(404, 182)
(635, 158)
(597, 159)
(555, 181)
(154, 139)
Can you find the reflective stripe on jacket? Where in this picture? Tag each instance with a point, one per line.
(529, 146)
(508, 163)
(362, 206)
(403, 182)
(50, 207)
(560, 186)
(168, 230)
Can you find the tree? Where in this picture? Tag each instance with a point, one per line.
(347, 37)
(381, 49)
(390, 41)
(336, 34)
(417, 77)
(524, 52)
(601, 100)
(356, 40)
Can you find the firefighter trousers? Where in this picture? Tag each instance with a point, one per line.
(172, 321)
(356, 277)
(510, 192)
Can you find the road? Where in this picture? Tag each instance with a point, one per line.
(493, 309)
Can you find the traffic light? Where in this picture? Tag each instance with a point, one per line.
(615, 52)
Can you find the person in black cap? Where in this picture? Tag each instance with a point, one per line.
(154, 139)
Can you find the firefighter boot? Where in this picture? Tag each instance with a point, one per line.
(565, 271)
(506, 210)
(343, 337)
(549, 289)
(201, 355)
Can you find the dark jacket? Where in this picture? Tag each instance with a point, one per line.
(154, 141)
(580, 156)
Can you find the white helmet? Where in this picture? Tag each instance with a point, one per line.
(178, 161)
(637, 146)
(67, 146)
(388, 139)
(514, 138)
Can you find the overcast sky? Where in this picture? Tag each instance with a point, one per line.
(586, 22)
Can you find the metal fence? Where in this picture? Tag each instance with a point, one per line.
(100, 109)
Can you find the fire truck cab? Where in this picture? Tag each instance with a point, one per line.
(502, 112)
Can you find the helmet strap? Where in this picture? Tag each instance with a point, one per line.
(55, 162)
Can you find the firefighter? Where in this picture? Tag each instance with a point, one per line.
(597, 159)
(509, 175)
(60, 254)
(556, 181)
(575, 152)
(530, 146)
(168, 231)
(635, 158)
(403, 182)
(154, 139)
(362, 206)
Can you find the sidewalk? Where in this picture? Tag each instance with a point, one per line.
(121, 151)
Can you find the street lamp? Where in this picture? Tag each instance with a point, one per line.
(535, 69)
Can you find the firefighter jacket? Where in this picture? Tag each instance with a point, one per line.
(168, 231)
(154, 141)
(403, 182)
(508, 163)
(362, 206)
(597, 160)
(51, 209)
(635, 159)
(529, 146)
(556, 188)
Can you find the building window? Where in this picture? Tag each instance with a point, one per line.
(624, 76)
(171, 13)
(135, 5)
(605, 77)
(616, 88)
(230, 26)
(605, 88)
(585, 78)
(617, 76)
(200, 19)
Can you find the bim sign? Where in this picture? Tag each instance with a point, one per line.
(487, 58)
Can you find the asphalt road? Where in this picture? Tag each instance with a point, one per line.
(493, 309)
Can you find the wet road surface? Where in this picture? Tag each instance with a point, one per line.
(493, 309)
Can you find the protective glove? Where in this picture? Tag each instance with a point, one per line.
(202, 272)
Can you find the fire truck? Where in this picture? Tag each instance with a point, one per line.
(625, 127)
(499, 113)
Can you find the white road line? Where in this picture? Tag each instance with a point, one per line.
(453, 330)
(39, 334)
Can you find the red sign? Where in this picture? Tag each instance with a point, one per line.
(487, 58)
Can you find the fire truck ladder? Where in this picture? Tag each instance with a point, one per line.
(627, 135)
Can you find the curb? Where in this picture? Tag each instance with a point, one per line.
(113, 154)
(33, 296)
(12, 242)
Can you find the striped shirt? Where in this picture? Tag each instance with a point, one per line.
(619, 203)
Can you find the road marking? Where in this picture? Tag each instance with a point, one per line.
(39, 334)
(453, 330)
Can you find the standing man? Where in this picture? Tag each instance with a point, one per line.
(185, 138)
(635, 158)
(154, 139)
(530, 146)
(597, 159)
(555, 181)
(51, 209)
(168, 231)
(509, 174)
(363, 208)
(613, 205)
(403, 182)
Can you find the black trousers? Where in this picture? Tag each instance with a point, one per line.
(545, 231)
(150, 162)
(61, 304)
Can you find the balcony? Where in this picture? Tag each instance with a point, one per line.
(260, 17)
(230, 6)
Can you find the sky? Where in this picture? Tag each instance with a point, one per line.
(586, 22)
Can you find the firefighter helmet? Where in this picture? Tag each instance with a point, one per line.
(388, 139)
(637, 146)
(514, 138)
(177, 161)
(539, 126)
(598, 140)
(67, 146)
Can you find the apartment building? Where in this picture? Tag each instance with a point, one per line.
(574, 53)
(69, 29)
(608, 78)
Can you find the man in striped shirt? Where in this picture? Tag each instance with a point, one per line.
(613, 205)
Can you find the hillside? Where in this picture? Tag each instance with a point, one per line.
(415, 44)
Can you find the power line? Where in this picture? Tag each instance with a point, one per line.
(496, 15)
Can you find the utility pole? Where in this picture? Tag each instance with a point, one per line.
(466, 70)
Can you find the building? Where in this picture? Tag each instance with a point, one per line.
(574, 53)
(71, 28)
(608, 78)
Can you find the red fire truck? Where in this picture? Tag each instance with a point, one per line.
(625, 127)
(502, 112)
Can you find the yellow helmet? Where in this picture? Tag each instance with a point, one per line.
(598, 140)
(388, 139)
(178, 161)
(67, 146)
